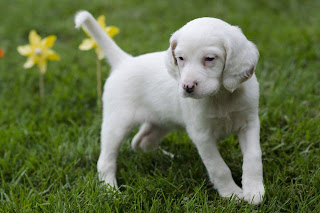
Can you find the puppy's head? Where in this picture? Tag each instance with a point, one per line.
(207, 53)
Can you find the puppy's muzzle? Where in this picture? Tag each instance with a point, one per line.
(190, 87)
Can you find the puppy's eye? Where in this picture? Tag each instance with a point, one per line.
(209, 58)
(181, 58)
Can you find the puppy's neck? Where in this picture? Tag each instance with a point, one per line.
(223, 103)
(223, 94)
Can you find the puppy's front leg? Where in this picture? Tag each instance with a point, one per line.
(113, 131)
(219, 172)
(252, 179)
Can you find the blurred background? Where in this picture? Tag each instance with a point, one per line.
(49, 149)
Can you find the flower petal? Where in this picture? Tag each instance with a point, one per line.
(42, 64)
(1, 53)
(99, 53)
(52, 55)
(29, 63)
(87, 44)
(112, 31)
(34, 38)
(102, 21)
(25, 50)
(49, 41)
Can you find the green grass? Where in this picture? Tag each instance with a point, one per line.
(48, 151)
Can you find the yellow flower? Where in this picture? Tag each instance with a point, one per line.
(38, 51)
(90, 43)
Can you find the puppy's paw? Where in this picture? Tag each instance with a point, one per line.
(107, 172)
(109, 179)
(233, 191)
(253, 193)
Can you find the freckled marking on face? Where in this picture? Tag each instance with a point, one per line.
(173, 47)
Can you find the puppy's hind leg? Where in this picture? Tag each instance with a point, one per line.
(113, 132)
(148, 137)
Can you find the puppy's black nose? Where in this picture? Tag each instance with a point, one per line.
(189, 87)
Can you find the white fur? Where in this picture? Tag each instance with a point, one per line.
(224, 101)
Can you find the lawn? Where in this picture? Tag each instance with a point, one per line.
(49, 149)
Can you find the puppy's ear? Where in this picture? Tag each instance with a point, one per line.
(173, 46)
(171, 61)
(241, 59)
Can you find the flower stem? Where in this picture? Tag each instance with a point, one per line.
(99, 84)
(41, 86)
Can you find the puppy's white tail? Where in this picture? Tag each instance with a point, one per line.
(111, 50)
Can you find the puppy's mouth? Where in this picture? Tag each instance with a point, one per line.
(191, 95)
(196, 95)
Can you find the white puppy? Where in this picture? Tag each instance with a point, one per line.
(204, 82)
